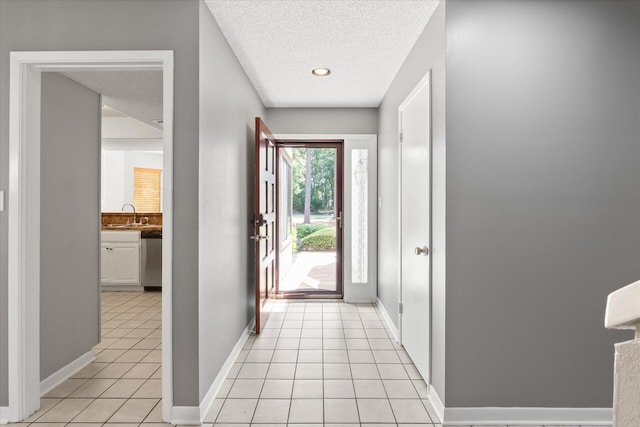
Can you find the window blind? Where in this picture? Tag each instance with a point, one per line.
(146, 189)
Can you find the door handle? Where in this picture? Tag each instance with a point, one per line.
(421, 250)
(339, 219)
(258, 237)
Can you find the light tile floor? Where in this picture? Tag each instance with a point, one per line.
(315, 364)
(123, 384)
(319, 363)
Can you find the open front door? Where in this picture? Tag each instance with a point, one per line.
(264, 219)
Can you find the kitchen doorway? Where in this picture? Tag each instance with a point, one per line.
(25, 218)
(310, 222)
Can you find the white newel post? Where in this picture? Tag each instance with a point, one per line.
(623, 312)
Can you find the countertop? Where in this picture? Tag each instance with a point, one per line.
(131, 227)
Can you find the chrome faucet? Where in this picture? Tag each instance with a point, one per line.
(134, 211)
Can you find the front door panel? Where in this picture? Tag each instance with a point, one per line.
(264, 219)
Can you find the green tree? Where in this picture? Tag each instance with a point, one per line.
(318, 192)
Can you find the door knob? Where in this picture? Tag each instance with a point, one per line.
(421, 250)
(258, 237)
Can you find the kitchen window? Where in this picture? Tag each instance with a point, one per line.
(146, 189)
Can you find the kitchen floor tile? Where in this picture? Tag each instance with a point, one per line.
(90, 370)
(65, 411)
(99, 411)
(115, 370)
(151, 389)
(142, 370)
(155, 416)
(45, 405)
(123, 388)
(93, 387)
(66, 388)
(133, 411)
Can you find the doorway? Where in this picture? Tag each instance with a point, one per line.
(310, 223)
(25, 217)
(357, 277)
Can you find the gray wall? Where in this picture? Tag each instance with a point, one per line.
(228, 107)
(69, 243)
(322, 120)
(123, 25)
(427, 54)
(543, 200)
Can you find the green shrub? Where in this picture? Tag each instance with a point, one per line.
(303, 230)
(321, 240)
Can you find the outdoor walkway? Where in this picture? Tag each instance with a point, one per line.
(311, 270)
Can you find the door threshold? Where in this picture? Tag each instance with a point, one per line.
(307, 295)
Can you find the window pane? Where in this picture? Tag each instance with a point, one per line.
(359, 210)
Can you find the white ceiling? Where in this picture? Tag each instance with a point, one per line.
(363, 42)
(135, 93)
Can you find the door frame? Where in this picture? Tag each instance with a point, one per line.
(424, 81)
(338, 145)
(24, 211)
(355, 292)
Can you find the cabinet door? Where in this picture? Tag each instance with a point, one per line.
(105, 267)
(125, 264)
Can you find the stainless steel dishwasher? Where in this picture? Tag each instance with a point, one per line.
(151, 258)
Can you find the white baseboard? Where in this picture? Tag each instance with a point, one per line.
(62, 374)
(527, 416)
(185, 415)
(206, 403)
(4, 415)
(387, 319)
(436, 403)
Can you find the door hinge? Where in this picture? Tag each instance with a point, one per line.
(400, 308)
(400, 137)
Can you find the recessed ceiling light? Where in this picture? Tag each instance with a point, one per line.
(320, 71)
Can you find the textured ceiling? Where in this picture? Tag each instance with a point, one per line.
(135, 93)
(363, 42)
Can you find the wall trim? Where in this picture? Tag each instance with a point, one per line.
(208, 399)
(187, 415)
(387, 319)
(62, 374)
(4, 415)
(23, 269)
(436, 402)
(528, 416)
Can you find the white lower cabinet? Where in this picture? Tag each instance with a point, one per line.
(120, 258)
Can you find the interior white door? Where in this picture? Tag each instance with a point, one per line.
(415, 158)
